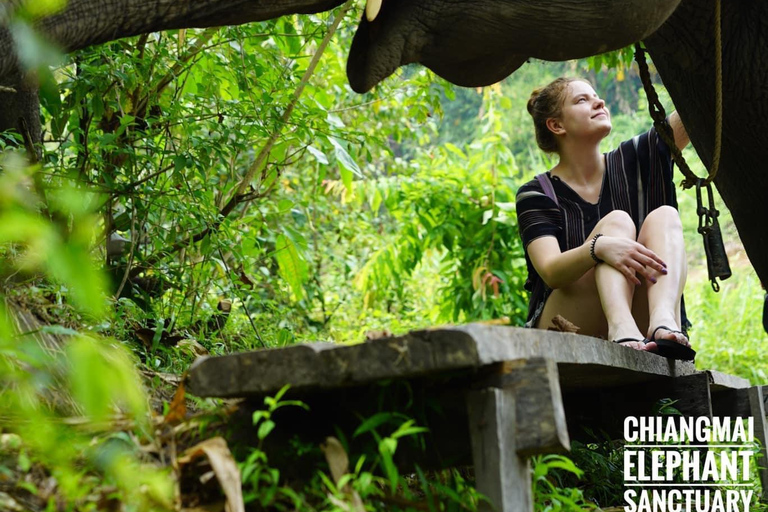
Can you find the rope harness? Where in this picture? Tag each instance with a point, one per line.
(709, 227)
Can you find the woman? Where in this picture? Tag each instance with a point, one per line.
(602, 236)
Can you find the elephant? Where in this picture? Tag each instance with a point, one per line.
(447, 40)
(479, 42)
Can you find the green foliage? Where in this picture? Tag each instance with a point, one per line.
(602, 479)
(293, 266)
(727, 330)
(373, 481)
(447, 491)
(387, 445)
(101, 376)
(168, 126)
(548, 495)
(261, 483)
(37, 374)
(620, 59)
(456, 204)
(59, 250)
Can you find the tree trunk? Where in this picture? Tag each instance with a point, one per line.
(683, 50)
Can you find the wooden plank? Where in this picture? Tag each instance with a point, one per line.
(761, 433)
(605, 409)
(328, 366)
(501, 474)
(693, 394)
(720, 380)
(518, 414)
(541, 425)
(731, 402)
(500, 343)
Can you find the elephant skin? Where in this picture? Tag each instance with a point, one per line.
(83, 23)
(683, 51)
(480, 42)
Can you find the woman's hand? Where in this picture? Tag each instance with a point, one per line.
(629, 257)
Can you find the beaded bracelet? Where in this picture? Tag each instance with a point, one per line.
(592, 248)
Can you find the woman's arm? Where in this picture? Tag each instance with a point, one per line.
(681, 135)
(560, 269)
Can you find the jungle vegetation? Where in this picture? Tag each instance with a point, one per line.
(212, 191)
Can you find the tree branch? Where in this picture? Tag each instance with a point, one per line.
(264, 153)
(240, 196)
(175, 70)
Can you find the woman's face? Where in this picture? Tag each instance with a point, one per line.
(583, 114)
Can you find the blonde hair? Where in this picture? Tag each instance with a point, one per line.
(546, 103)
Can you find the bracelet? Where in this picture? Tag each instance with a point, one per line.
(592, 248)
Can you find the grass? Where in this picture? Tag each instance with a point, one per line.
(728, 334)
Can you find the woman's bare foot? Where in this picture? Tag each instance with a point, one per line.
(635, 344)
(668, 331)
(629, 336)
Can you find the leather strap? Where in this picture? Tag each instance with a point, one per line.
(546, 185)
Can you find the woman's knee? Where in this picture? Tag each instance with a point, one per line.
(666, 216)
(617, 223)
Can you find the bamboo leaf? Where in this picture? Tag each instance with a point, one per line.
(319, 155)
(344, 159)
(293, 266)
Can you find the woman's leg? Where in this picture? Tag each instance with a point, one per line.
(662, 232)
(579, 303)
(600, 302)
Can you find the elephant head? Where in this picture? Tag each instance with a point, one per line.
(479, 42)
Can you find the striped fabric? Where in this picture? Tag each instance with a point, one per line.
(638, 179)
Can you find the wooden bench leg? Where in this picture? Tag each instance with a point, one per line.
(502, 475)
(692, 394)
(516, 412)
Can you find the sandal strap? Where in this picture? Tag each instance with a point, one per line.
(626, 340)
(653, 336)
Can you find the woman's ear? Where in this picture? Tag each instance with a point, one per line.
(555, 126)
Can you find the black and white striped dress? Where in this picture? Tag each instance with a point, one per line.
(637, 179)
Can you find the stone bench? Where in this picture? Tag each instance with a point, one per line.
(492, 396)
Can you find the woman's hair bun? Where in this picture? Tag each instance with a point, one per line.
(532, 100)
